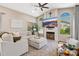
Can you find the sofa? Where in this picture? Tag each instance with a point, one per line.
(10, 48)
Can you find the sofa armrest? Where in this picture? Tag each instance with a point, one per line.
(14, 49)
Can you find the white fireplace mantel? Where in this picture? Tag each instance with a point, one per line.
(51, 29)
(55, 30)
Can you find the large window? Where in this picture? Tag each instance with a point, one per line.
(65, 23)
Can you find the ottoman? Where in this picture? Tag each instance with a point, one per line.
(37, 42)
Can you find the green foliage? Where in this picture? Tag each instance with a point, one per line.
(62, 31)
(71, 47)
(35, 26)
(65, 30)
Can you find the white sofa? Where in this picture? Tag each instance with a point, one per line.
(10, 48)
(37, 42)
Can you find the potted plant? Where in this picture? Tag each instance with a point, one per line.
(34, 28)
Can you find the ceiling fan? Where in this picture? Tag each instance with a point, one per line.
(41, 6)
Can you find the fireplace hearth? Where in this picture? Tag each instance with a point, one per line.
(50, 35)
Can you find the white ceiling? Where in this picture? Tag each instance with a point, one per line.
(29, 8)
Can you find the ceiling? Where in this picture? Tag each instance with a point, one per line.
(29, 8)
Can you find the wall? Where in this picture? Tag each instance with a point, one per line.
(59, 11)
(12, 14)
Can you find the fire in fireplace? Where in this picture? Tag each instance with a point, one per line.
(50, 35)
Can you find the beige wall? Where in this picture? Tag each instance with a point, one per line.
(10, 15)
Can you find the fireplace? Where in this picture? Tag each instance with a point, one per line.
(50, 35)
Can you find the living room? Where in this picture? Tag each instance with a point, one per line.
(39, 29)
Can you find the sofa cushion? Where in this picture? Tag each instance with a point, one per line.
(7, 37)
(15, 39)
(37, 40)
(16, 34)
(1, 33)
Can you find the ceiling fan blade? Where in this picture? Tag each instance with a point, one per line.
(41, 9)
(39, 4)
(44, 4)
(46, 7)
